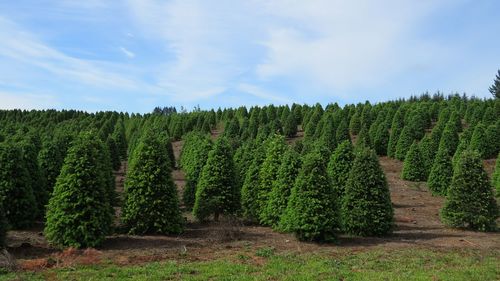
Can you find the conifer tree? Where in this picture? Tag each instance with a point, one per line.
(404, 142)
(217, 191)
(16, 193)
(290, 128)
(427, 148)
(120, 139)
(478, 141)
(496, 176)
(342, 132)
(449, 139)
(414, 165)
(339, 166)
(470, 202)
(281, 188)
(366, 205)
(114, 153)
(462, 145)
(249, 190)
(312, 211)
(363, 138)
(328, 137)
(151, 200)
(396, 129)
(268, 174)
(381, 139)
(355, 124)
(441, 173)
(78, 213)
(495, 88)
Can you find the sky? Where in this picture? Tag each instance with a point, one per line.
(133, 55)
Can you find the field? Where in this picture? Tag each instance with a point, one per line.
(420, 248)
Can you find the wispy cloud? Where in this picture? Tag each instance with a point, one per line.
(17, 100)
(263, 94)
(127, 52)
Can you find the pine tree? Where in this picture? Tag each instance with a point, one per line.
(441, 173)
(249, 190)
(495, 88)
(312, 211)
(355, 124)
(478, 141)
(404, 142)
(268, 174)
(290, 128)
(282, 186)
(381, 139)
(217, 191)
(470, 202)
(16, 193)
(120, 139)
(78, 214)
(363, 138)
(414, 165)
(462, 145)
(339, 166)
(366, 205)
(496, 176)
(427, 148)
(449, 139)
(342, 132)
(396, 129)
(151, 200)
(114, 153)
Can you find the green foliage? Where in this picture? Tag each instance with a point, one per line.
(381, 139)
(217, 191)
(290, 126)
(496, 176)
(441, 173)
(51, 158)
(120, 139)
(16, 193)
(363, 138)
(405, 140)
(339, 166)
(495, 88)
(249, 190)
(478, 141)
(268, 174)
(193, 157)
(396, 129)
(78, 214)
(366, 205)
(428, 149)
(3, 228)
(281, 187)
(414, 168)
(114, 153)
(463, 145)
(355, 124)
(492, 141)
(312, 211)
(151, 201)
(470, 202)
(449, 139)
(342, 132)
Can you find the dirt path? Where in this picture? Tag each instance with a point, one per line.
(416, 216)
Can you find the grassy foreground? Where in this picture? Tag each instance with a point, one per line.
(407, 264)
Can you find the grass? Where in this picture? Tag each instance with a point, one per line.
(407, 264)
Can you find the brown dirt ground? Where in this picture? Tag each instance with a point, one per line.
(416, 216)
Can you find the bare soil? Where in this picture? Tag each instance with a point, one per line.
(416, 217)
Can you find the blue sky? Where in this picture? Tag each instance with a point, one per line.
(134, 55)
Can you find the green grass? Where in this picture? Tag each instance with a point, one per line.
(408, 264)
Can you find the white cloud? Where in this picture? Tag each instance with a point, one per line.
(20, 46)
(344, 44)
(15, 100)
(263, 94)
(127, 52)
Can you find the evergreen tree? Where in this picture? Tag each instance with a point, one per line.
(114, 153)
(328, 136)
(427, 148)
(478, 141)
(268, 174)
(381, 139)
(462, 145)
(290, 128)
(366, 205)
(16, 193)
(414, 165)
(470, 202)
(441, 173)
(496, 176)
(363, 138)
(449, 139)
(151, 200)
(495, 88)
(355, 124)
(342, 132)
(281, 189)
(396, 129)
(404, 142)
(120, 139)
(78, 212)
(339, 166)
(312, 211)
(217, 191)
(492, 140)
